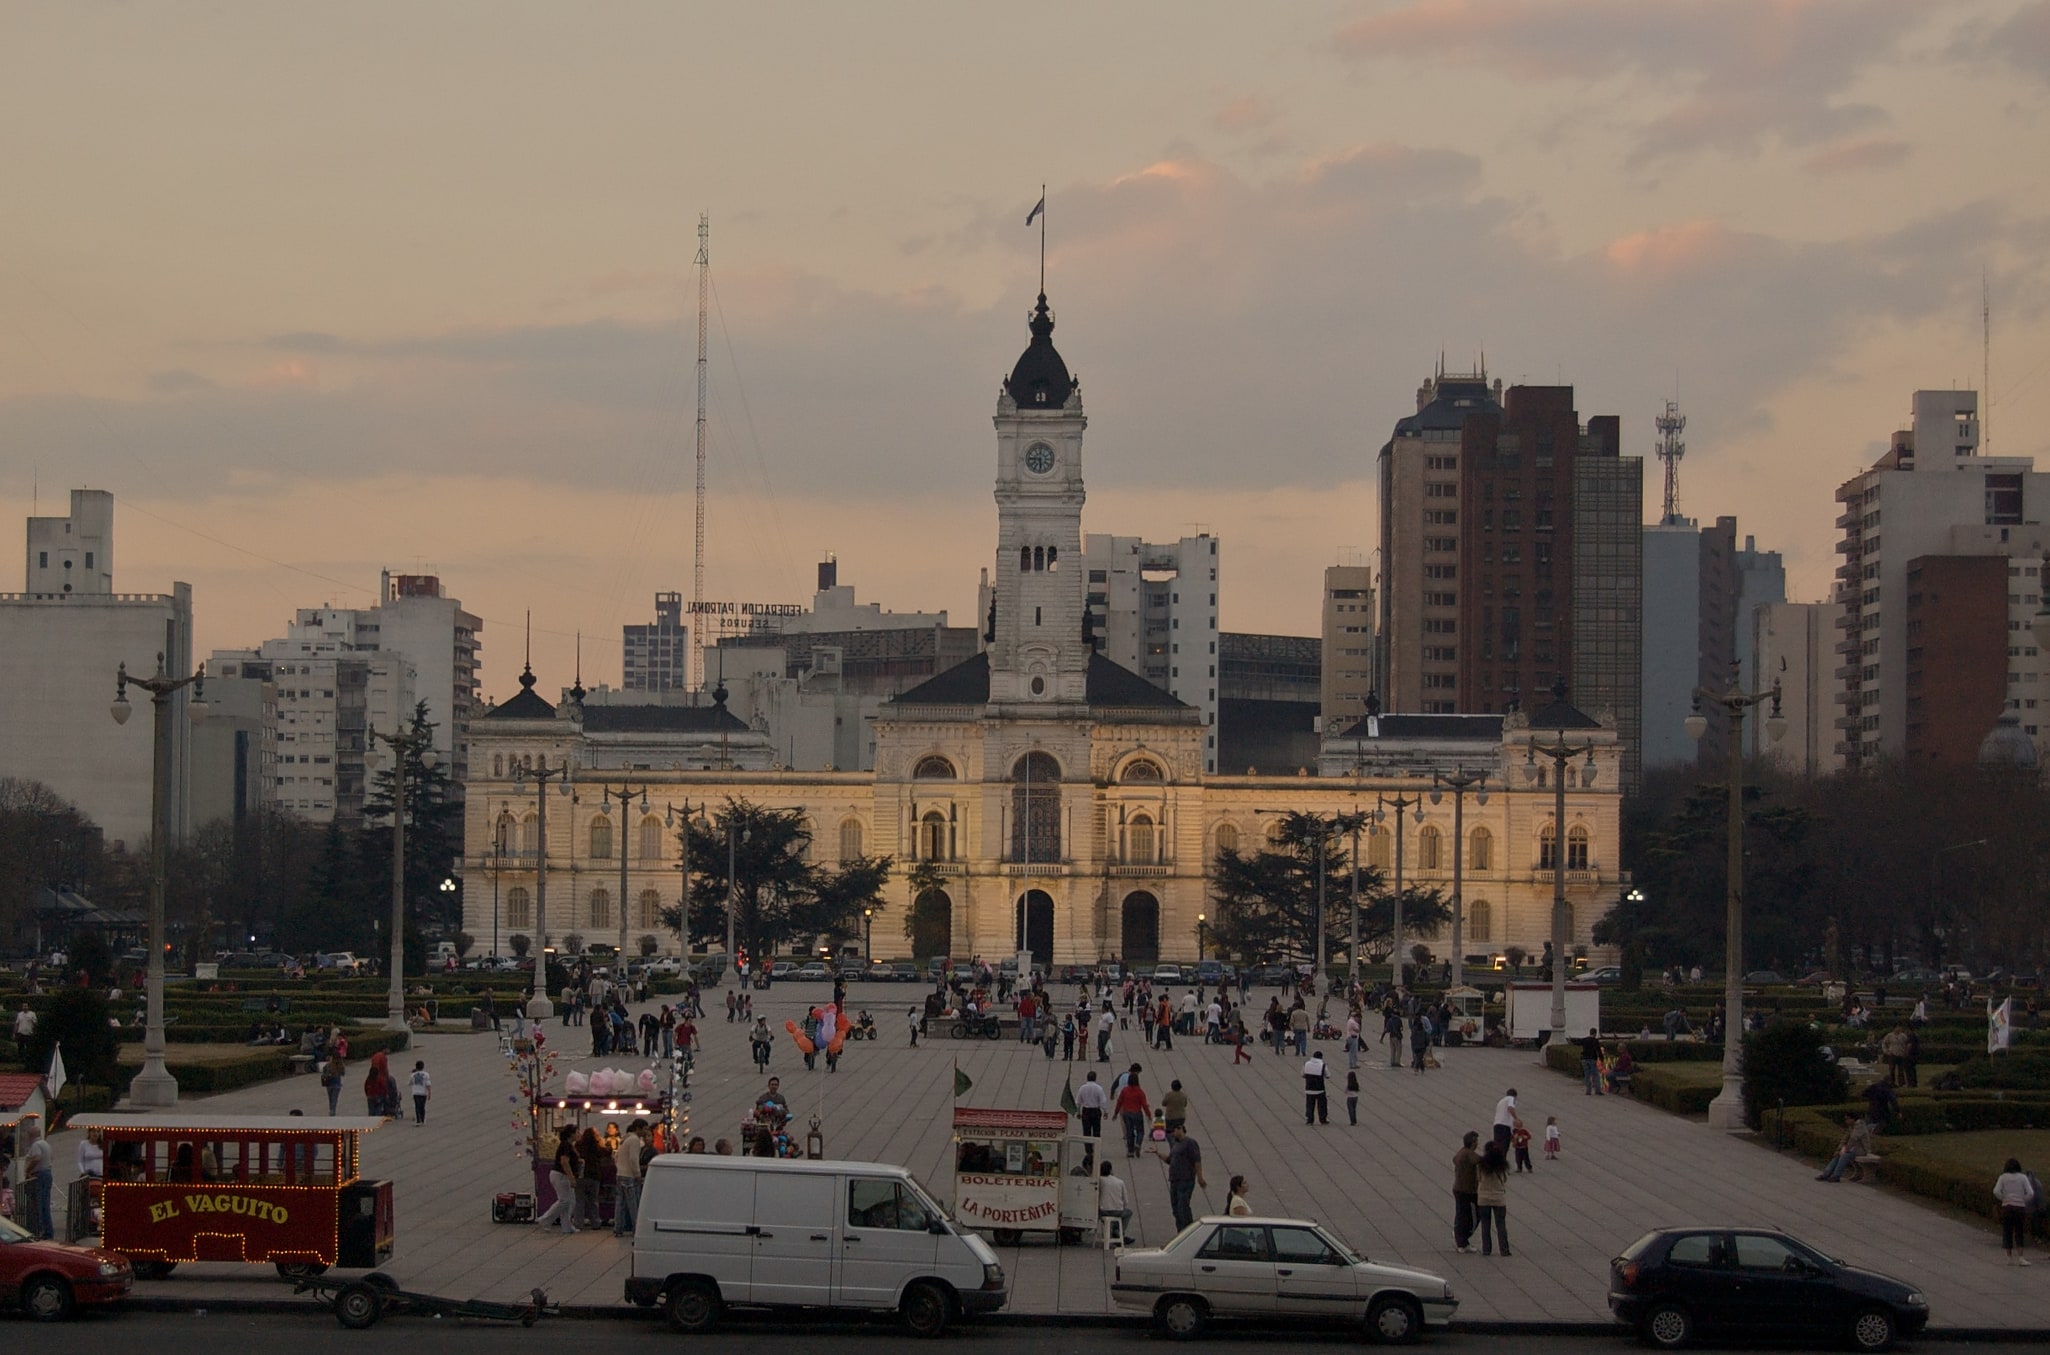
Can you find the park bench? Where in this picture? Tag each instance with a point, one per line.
(1868, 1168)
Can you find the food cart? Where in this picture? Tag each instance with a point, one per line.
(1021, 1171)
(579, 1112)
(283, 1189)
(1469, 1008)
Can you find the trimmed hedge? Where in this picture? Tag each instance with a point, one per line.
(1815, 1132)
(1664, 1088)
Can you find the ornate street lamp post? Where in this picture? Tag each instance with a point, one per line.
(1727, 1110)
(154, 1086)
(539, 1008)
(404, 745)
(1560, 752)
(1459, 783)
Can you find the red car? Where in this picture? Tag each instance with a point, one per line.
(48, 1280)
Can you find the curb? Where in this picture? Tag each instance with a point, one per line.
(593, 1312)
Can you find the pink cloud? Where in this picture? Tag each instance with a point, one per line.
(1684, 247)
(1854, 157)
(1247, 113)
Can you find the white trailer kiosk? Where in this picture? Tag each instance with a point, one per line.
(1021, 1171)
(1530, 1009)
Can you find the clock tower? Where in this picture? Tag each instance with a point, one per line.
(1037, 654)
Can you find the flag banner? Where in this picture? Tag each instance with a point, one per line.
(1068, 1098)
(54, 1083)
(1999, 1024)
(961, 1083)
(1039, 207)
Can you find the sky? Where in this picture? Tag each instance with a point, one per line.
(321, 290)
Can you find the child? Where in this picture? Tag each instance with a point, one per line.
(1352, 1098)
(1520, 1141)
(912, 1016)
(1551, 1138)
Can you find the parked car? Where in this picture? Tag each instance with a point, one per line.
(783, 969)
(716, 1232)
(50, 1280)
(1279, 975)
(1112, 973)
(1764, 977)
(880, 972)
(1167, 973)
(1209, 973)
(1608, 973)
(1278, 1269)
(813, 972)
(905, 972)
(1674, 1284)
(341, 960)
(665, 967)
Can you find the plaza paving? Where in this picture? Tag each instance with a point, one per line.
(1384, 1184)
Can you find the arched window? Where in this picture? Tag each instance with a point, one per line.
(506, 836)
(1141, 771)
(1380, 848)
(1036, 808)
(651, 838)
(601, 839)
(1273, 833)
(519, 906)
(1053, 557)
(601, 908)
(933, 836)
(498, 764)
(1139, 847)
(933, 767)
(1025, 559)
(1038, 558)
(1427, 848)
(1480, 850)
(648, 910)
(850, 839)
(1227, 837)
(1576, 848)
(530, 836)
(1480, 920)
(1548, 841)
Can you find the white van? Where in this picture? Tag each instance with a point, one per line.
(781, 1232)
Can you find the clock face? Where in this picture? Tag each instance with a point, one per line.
(1039, 458)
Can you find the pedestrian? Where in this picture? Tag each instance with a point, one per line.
(626, 1202)
(1068, 1037)
(1113, 1200)
(1506, 1119)
(1856, 1143)
(911, 1015)
(1238, 1040)
(1163, 1025)
(1519, 1140)
(1133, 1112)
(1146, 1015)
(1299, 1027)
(2019, 1196)
(38, 1178)
(1090, 1102)
(331, 1074)
(1316, 1105)
(1174, 1107)
(1591, 1062)
(1352, 1098)
(760, 1042)
(1391, 1031)
(591, 1163)
(380, 1091)
(422, 1087)
(1104, 1023)
(1235, 1202)
(1352, 1038)
(1466, 1165)
(1184, 1159)
(1552, 1138)
(562, 1179)
(1491, 1198)
(1419, 1044)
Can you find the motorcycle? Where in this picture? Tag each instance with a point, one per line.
(988, 1027)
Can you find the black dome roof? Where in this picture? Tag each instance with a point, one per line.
(1040, 380)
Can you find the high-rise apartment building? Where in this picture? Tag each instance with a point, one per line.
(62, 640)
(656, 657)
(1932, 495)
(1794, 643)
(416, 617)
(1488, 596)
(1348, 644)
(1153, 609)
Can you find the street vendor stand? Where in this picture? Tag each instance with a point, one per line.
(1021, 1171)
(1469, 1015)
(283, 1189)
(550, 1114)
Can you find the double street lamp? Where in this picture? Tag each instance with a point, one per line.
(1561, 752)
(1459, 783)
(1727, 1110)
(1399, 803)
(405, 745)
(154, 1086)
(538, 1006)
(624, 798)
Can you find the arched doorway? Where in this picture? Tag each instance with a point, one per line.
(1034, 915)
(1139, 938)
(932, 925)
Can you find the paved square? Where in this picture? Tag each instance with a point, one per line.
(1385, 1184)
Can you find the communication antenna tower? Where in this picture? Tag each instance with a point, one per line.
(697, 592)
(1670, 450)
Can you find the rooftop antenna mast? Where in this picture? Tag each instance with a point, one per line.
(697, 592)
(1670, 450)
(1986, 367)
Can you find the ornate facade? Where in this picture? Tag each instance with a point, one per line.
(1061, 798)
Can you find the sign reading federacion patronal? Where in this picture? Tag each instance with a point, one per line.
(745, 609)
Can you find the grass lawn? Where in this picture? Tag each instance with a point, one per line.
(1980, 1150)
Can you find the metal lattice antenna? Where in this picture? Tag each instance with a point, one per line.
(1986, 367)
(697, 592)
(1670, 450)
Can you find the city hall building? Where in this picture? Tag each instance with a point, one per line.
(1061, 798)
